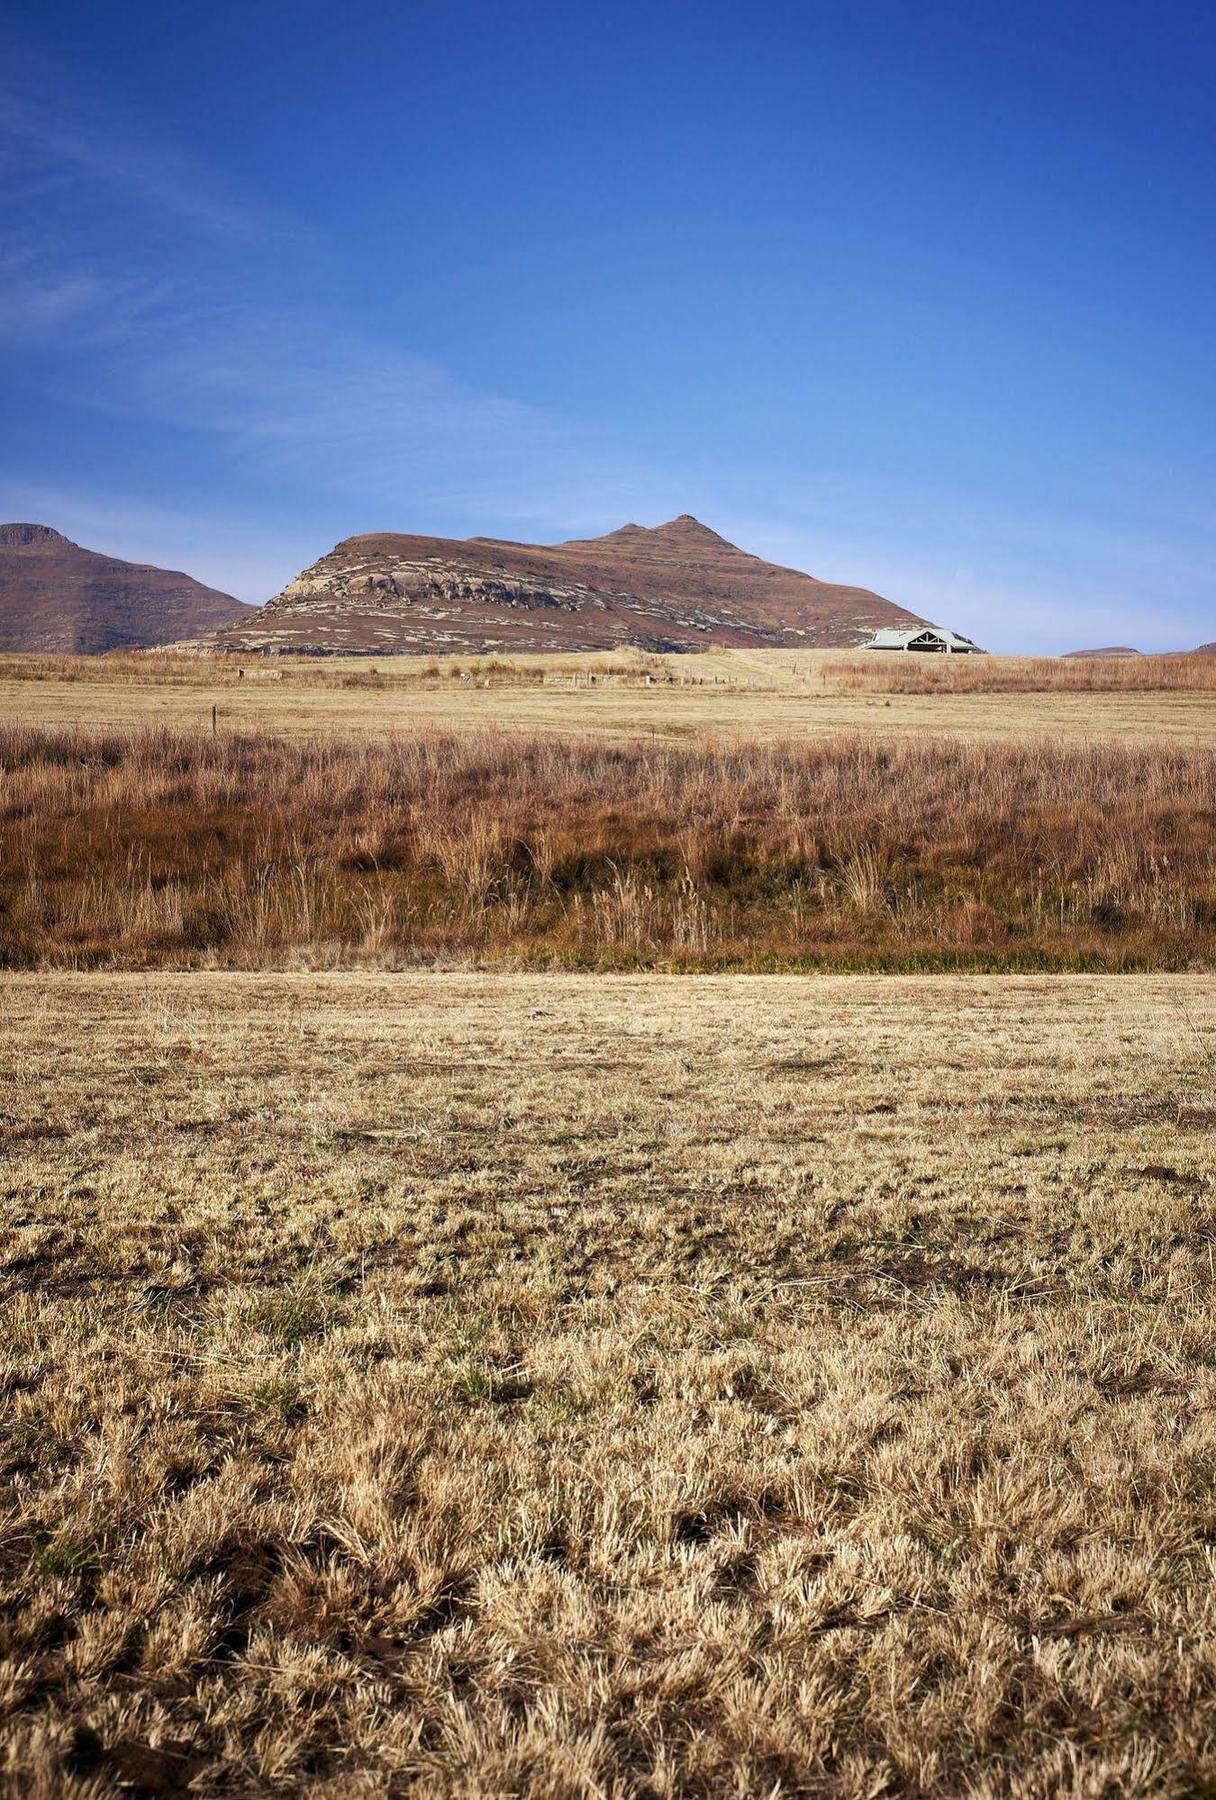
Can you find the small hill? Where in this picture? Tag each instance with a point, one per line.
(1108, 650)
(1123, 650)
(677, 586)
(56, 597)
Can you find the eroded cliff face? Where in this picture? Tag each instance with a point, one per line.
(678, 586)
(382, 580)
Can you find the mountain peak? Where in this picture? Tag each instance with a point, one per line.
(686, 526)
(684, 523)
(32, 534)
(683, 534)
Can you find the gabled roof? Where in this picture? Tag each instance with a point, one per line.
(890, 639)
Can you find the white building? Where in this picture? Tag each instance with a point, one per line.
(924, 637)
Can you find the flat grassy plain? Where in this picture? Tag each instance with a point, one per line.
(528, 1383)
(457, 1384)
(731, 695)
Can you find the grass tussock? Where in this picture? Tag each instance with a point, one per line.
(881, 672)
(164, 849)
(641, 1388)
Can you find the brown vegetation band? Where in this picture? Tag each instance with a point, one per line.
(893, 673)
(168, 849)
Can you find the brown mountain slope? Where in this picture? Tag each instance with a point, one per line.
(56, 597)
(678, 586)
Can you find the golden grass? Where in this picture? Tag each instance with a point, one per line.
(774, 694)
(459, 1385)
(832, 671)
(381, 674)
(261, 852)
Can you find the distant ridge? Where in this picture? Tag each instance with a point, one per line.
(56, 597)
(1125, 650)
(677, 586)
(1108, 650)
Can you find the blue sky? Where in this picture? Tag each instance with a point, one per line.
(915, 295)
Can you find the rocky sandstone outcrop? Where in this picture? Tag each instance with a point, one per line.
(676, 586)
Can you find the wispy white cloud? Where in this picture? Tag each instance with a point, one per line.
(110, 234)
(144, 320)
(297, 395)
(58, 136)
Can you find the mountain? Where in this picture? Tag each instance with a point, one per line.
(674, 587)
(1109, 650)
(1122, 650)
(56, 597)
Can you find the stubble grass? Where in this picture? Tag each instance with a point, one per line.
(458, 1384)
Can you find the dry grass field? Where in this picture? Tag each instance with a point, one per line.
(752, 695)
(619, 1385)
(505, 1385)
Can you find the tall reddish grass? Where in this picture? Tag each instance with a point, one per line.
(167, 849)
